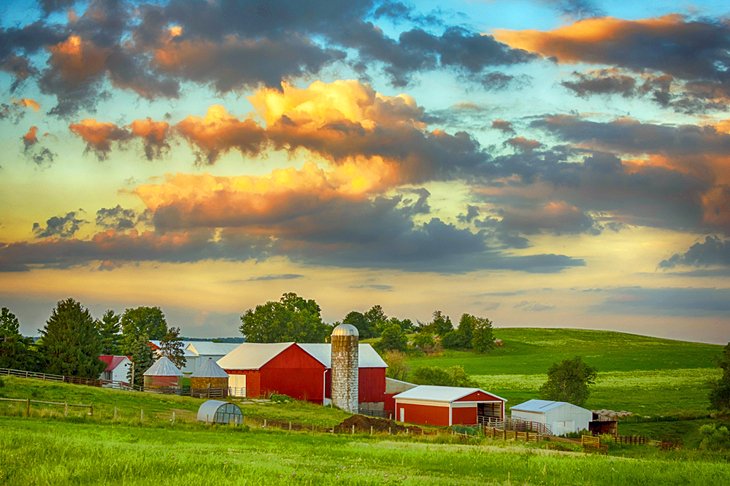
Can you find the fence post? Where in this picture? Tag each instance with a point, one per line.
(65, 409)
(371, 430)
(91, 410)
(353, 429)
(27, 407)
(264, 423)
(115, 412)
(173, 417)
(290, 425)
(141, 415)
(390, 430)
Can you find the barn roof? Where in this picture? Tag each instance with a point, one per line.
(540, 406)
(251, 356)
(209, 348)
(163, 367)
(210, 369)
(435, 393)
(322, 352)
(112, 361)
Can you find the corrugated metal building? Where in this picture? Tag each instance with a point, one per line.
(198, 352)
(300, 370)
(220, 412)
(162, 374)
(447, 405)
(560, 418)
(209, 376)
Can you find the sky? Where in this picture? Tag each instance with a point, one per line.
(548, 163)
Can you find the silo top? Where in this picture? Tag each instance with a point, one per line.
(163, 367)
(345, 330)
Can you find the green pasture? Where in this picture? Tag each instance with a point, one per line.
(38, 451)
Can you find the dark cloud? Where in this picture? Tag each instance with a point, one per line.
(471, 213)
(276, 276)
(523, 144)
(683, 301)
(59, 226)
(379, 287)
(713, 251)
(119, 218)
(496, 81)
(99, 136)
(50, 6)
(576, 8)
(533, 306)
(503, 126)
(604, 82)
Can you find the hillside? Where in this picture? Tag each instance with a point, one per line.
(645, 375)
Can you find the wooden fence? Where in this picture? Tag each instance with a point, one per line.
(504, 434)
(67, 379)
(631, 439)
(28, 402)
(515, 424)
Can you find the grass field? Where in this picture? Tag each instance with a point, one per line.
(38, 451)
(647, 376)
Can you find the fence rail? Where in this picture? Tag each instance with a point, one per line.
(28, 402)
(515, 425)
(68, 379)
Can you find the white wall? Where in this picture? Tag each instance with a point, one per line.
(560, 420)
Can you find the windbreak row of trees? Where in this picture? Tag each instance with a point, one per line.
(72, 340)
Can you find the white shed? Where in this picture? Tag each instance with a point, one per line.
(559, 417)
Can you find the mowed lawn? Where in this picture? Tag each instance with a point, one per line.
(644, 375)
(37, 451)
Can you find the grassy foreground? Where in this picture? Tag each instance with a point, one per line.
(38, 451)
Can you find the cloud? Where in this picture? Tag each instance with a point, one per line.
(154, 135)
(533, 306)
(119, 218)
(30, 138)
(556, 217)
(523, 144)
(681, 301)
(575, 8)
(603, 81)
(59, 226)
(16, 110)
(39, 155)
(713, 251)
(50, 6)
(99, 135)
(275, 276)
(503, 125)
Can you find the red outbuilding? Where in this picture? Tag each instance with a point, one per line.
(447, 405)
(301, 371)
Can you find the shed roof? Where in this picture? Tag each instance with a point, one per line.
(210, 369)
(209, 348)
(163, 367)
(540, 406)
(367, 357)
(251, 356)
(112, 361)
(435, 393)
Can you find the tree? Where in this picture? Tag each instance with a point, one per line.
(441, 324)
(720, 393)
(433, 375)
(454, 340)
(376, 318)
(482, 334)
(568, 381)
(171, 346)
(425, 343)
(142, 321)
(467, 324)
(71, 344)
(109, 331)
(397, 367)
(142, 359)
(364, 327)
(393, 338)
(292, 318)
(15, 350)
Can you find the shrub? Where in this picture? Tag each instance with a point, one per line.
(432, 375)
(454, 340)
(280, 398)
(714, 437)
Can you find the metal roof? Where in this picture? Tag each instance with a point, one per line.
(112, 361)
(251, 356)
(163, 367)
(158, 344)
(209, 348)
(435, 393)
(367, 356)
(210, 369)
(345, 330)
(218, 411)
(539, 406)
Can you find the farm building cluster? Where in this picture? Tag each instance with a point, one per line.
(343, 373)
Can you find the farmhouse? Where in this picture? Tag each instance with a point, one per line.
(559, 418)
(302, 371)
(447, 405)
(116, 369)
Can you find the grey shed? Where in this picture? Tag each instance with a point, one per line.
(220, 412)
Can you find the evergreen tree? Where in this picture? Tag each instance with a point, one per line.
(171, 346)
(15, 350)
(71, 344)
(441, 324)
(109, 331)
(142, 358)
(142, 321)
(568, 381)
(377, 320)
(720, 393)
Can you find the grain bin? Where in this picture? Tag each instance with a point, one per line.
(220, 412)
(345, 369)
(209, 380)
(162, 374)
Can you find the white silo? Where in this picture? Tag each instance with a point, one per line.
(345, 368)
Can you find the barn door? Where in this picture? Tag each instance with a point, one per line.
(402, 414)
(237, 385)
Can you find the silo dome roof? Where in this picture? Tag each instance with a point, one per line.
(345, 330)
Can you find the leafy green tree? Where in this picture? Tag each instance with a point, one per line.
(142, 358)
(454, 340)
(109, 331)
(292, 318)
(172, 347)
(482, 334)
(15, 350)
(720, 393)
(142, 321)
(364, 326)
(397, 367)
(467, 324)
(71, 344)
(568, 381)
(392, 339)
(376, 318)
(433, 375)
(425, 343)
(441, 324)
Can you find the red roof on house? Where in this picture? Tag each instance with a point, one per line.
(111, 361)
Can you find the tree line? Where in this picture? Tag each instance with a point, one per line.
(72, 340)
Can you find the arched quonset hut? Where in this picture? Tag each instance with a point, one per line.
(162, 374)
(209, 380)
(220, 412)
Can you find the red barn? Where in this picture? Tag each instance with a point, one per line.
(447, 405)
(301, 371)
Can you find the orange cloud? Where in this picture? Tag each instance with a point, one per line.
(99, 135)
(30, 138)
(218, 132)
(77, 59)
(154, 136)
(28, 103)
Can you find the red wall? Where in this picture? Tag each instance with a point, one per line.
(479, 397)
(293, 372)
(371, 384)
(464, 416)
(390, 405)
(423, 414)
